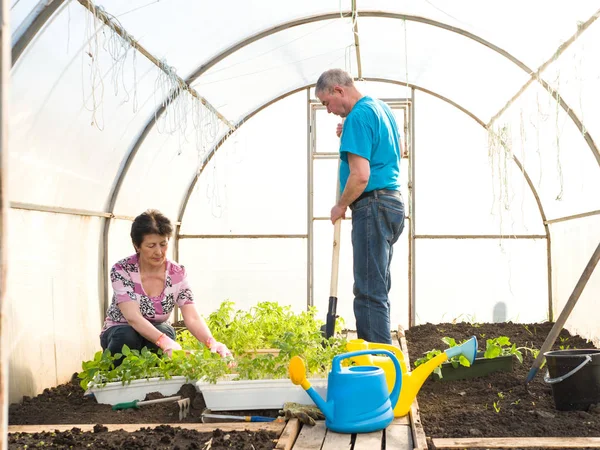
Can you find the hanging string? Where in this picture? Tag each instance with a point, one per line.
(95, 77)
(557, 138)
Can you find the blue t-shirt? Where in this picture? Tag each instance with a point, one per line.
(370, 131)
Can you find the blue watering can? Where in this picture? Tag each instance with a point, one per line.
(358, 400)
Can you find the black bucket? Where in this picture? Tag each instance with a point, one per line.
(575, 378)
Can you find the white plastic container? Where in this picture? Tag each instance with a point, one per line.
(117, 392)
(257, 394)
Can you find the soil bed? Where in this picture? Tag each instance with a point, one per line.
(160, 437)
(65, 404)
(463, 409)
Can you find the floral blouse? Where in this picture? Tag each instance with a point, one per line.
(127, 287)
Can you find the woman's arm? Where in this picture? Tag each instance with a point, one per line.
(197, 326)
(131, 312)
(194, 323)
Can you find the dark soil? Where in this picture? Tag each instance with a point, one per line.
(161, 437)
(66, 404)
(464, 408)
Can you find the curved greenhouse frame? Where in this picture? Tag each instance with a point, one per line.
(207, 112)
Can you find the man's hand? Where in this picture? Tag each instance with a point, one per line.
(338, 212)
(338, 129)
(307, 414)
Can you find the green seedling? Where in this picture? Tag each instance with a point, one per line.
(501, 346)
(455, 360)
(497, 407)
(268, 325)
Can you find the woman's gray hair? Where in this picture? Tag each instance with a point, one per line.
(331, 78)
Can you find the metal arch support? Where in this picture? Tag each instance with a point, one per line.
(388, 15)
(50, 8)
(37, 19)
(210, 155)
(53, 5)
(381, 80)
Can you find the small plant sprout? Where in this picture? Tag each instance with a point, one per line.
(516, 402)
(500, 395)
(563, 341)
(501, 346)
(497, 407)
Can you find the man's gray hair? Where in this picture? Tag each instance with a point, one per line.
(331, 78)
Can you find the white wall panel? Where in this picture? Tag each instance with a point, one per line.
(573, 243)
(481, 281)
(459, 188)
(53, 312)
(256, 183)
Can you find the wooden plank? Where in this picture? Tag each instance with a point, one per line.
(517, 442)
(404, 420)
(311, 438)
(336, 441)
(289, 434)
(398, 437)
(368, 441)
(276, 427)
(418, 434)
(400, 331)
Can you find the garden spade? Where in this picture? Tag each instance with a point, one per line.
(335, 262)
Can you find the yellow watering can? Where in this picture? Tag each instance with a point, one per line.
(411, 381)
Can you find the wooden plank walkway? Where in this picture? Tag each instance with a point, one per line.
(517, 442)
(404, 433)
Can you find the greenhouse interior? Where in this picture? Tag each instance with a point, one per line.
(207, 112)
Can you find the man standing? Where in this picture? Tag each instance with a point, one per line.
(370, 153)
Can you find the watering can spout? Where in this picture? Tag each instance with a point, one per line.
(325, 407)
(415, 379)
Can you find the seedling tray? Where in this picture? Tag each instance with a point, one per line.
(117, 392)
(256, 394)
(480, 368)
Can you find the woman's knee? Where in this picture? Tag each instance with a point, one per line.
(123, 335)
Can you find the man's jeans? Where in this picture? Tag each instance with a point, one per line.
(377, 222)
(116, 336)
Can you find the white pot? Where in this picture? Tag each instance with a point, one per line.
(257, 394)
(117, 392)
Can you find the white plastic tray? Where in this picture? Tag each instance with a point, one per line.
(257, 394)
(116, 392)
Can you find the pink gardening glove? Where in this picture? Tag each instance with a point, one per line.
(167, 344)
(217, 347)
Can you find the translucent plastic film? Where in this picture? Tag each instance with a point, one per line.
(79, 97)
(481, 281)
(463, 184)
(257, 181)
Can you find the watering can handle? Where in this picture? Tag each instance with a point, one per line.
(336, 366)
(549, 380)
